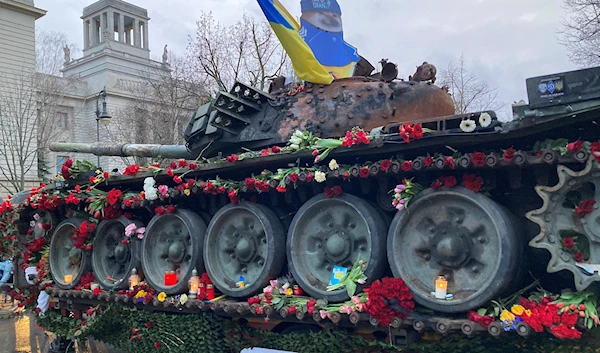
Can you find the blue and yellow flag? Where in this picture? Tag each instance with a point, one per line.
(306, 66)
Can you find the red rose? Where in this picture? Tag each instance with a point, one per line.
(449, 161)
(249, 183)
(595, 150)
(275, 149)
(385, 165)
(574, 146)
(113, 197)
(170, 172)
(232, 158)
(105, 175)
(160, 211)
(436, 185)
(294, 177)
(569, 320)
(579, 256)
(478, 159)
(97, 291)
(328, 193)
(233, 197)
(509, 155)
(472, 182)
(407, 166)
(177, 179)
(309, 177)
(364, 172)
(68, 163)
(585, 207)
(182, 163)
(564, 332)
(484, 321)
(568, 243)
(171, 208)
(262, 186)
(346, 175)
(173, 165)
(64, 171)
(337, 190)
(428, 161)
(193, 166)
(291, 310)
(448, 181)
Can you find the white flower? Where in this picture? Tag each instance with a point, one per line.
(333, 164)
(151, 195)
(320, 176)
(299, 134)
(485, 120)
(149, 181)
(295, 141)
(467, 125)
(295, 147)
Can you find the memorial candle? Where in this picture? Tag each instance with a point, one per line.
(170, 278)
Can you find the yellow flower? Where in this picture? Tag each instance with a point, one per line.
(98, 171)
(517, 310)
(141, 294)
(186, 192)
(162, 296)
(289, 291)
(528, 312)
(506, 315)
(97, 180)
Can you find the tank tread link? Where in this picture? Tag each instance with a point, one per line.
(477, 241)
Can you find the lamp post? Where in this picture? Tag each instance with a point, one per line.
(102, 117)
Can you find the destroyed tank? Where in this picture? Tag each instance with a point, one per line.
(496, 199)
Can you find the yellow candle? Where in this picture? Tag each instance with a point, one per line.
(441, 287)
(68, 279)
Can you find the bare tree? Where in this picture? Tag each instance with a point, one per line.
(29, 102)
(468, 92)
(248, 51)
(581, 31)
(162, 103)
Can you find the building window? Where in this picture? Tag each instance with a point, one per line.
(60, 160)
(62, 120)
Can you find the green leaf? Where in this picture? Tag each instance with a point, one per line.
(351, 288)
(482, 311)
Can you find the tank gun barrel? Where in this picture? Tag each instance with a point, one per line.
(126, 150)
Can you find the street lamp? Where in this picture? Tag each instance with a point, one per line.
(101, 117)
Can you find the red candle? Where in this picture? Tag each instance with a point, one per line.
(170, 278)
(210, 292)
(202, 289)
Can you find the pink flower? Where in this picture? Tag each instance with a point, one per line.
(140, 232)
(355, 300)
(163, 190)
(130, 230)
(400, 207)
(323, 314)
(359, 307)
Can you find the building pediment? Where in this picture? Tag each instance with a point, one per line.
(22, 7)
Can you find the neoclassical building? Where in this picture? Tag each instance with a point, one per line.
(116, 57)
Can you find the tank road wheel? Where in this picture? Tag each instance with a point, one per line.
(173, 242)
(557, 220)
(110, 257)
(459, 234)
(248, 240)
(65, 258)
(327, 232)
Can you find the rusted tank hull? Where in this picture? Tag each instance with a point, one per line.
(256, 119)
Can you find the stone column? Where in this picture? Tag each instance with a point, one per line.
(102, 26)
(94, 24)
(86, 34)
(146, 42)
(136, 33)
(111, 25)
(121, 28)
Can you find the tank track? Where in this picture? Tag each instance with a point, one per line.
(71, 301)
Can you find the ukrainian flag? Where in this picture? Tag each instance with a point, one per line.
(286, 28)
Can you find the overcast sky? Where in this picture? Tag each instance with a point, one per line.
(504, 41)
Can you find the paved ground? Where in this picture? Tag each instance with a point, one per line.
(24, 336)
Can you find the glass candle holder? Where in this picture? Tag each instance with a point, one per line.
(68, 279)
(441, 287)
(170, 278)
